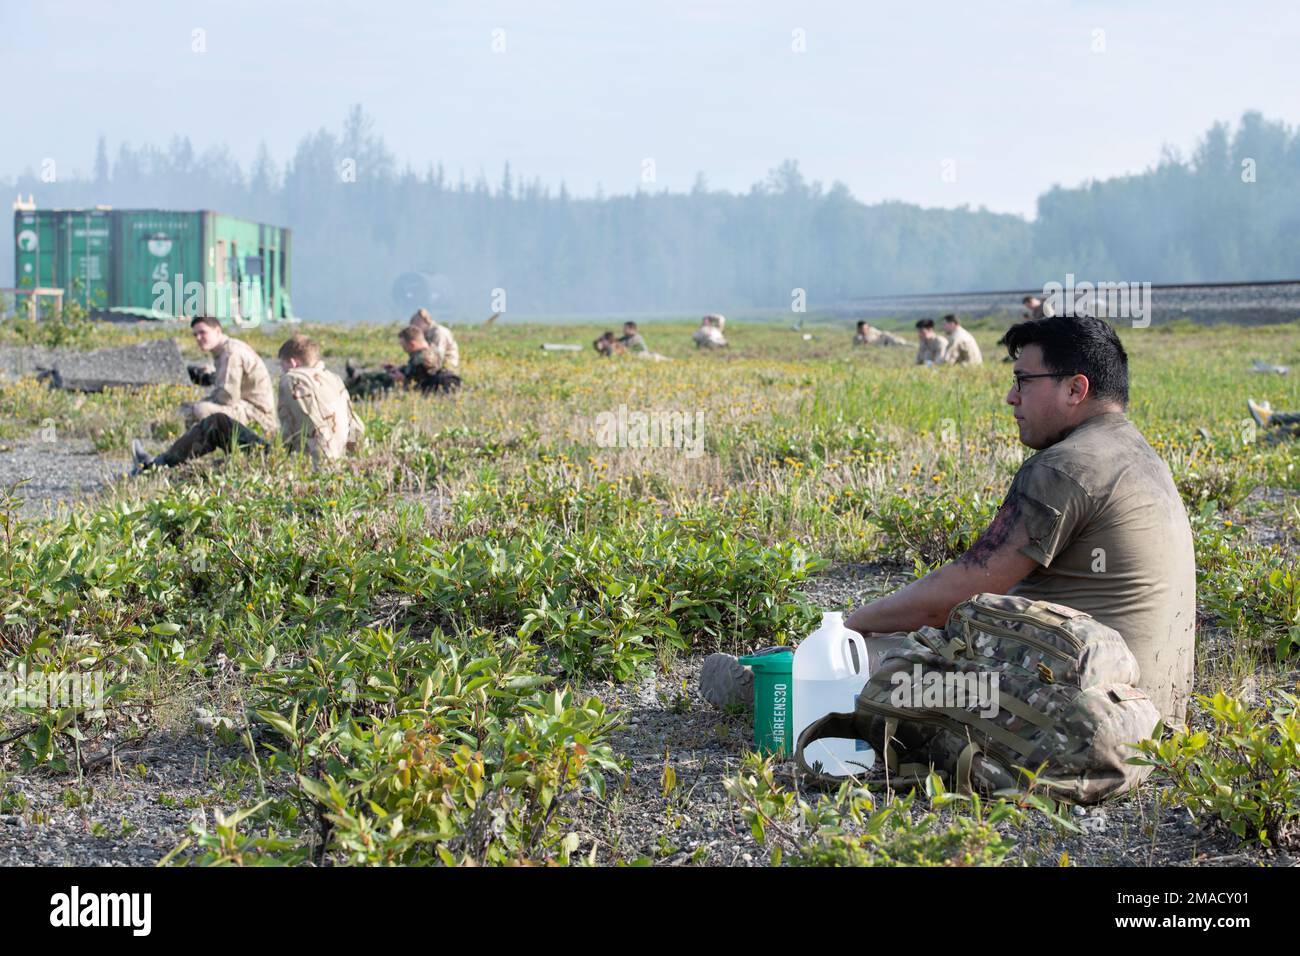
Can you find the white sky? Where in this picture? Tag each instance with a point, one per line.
(1011, 91)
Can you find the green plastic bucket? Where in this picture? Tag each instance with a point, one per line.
(773, 700)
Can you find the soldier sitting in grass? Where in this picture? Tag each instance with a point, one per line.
(1092, 521)
(709, 334)
(631, 339)
(931, 345)
(241, 385)
(424, 369)
(441, 342)
(962, 348)
(241, 396)
(315, 416)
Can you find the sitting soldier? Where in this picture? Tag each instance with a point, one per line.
(631, 339)
(709, 334)
(315, 408)
(241, 385)
(241, 396)
(962, 348)
(1092, 521)
(932, 345)
(440, 340)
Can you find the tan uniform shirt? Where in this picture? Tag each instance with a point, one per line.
(443, 348)
(931, 350)
(241, 378)
(316, 412)
(709, 336)
(963, 349)
(1109, 529)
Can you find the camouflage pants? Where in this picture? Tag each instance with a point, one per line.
(439, 381)
(365, 384)
(1287, 420)
(215, 431)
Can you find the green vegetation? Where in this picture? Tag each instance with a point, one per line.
(405, 650)
(1243, 770)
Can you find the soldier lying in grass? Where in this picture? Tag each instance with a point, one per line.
(1093, 521)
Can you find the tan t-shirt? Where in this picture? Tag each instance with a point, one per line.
(241, 377)
(963, 349)
(931, 349)
(1111, 534)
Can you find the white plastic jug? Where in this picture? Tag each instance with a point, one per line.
(829, 670)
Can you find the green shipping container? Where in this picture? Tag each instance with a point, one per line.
(156, 263)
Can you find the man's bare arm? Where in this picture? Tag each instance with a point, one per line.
(993, 563)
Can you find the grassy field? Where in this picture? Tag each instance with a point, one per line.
(419, 656)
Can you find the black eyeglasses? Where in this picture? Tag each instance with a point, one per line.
(1021, 379)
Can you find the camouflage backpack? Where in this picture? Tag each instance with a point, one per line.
(1008, 683)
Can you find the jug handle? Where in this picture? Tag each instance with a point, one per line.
(855, 639)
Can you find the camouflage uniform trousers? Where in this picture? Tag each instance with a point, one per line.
(219, 431)
(366, 384)
(1288, 422)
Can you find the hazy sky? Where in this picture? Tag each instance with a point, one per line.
(1013, 93)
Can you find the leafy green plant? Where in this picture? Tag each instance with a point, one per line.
(850, 827)
(1244, 772)
(932, 529)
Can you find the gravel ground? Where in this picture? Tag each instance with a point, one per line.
(57, 472)
(127, 812)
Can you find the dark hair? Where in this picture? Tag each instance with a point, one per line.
(205, 320)
(861, 323)
(630, 325)
(951, 318)
(1076, 345)
(925, 323)
(302, 348)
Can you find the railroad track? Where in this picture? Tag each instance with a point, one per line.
(1242, 302)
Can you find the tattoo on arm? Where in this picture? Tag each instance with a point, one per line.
(995, 535)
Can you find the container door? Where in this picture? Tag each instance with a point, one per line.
(88, 247)
(34, 250)
(160, 263)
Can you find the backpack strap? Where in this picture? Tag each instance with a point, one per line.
(832, 725)
(1024, 711)
(989, 729)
